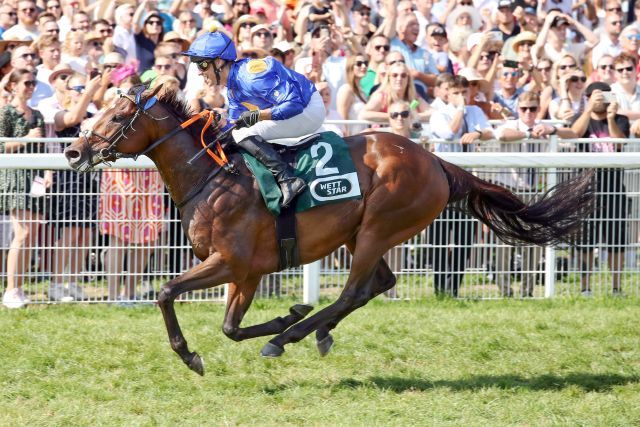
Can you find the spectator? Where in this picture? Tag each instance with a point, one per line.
(626, 88)
(508, 92)
(23, 188)
(53, 7)
(324, 90)
(164, 66)
(73, 52)
(238, 8)
(529, 20)
(441, 91)
(319, 15)
(571, 101)
(185, 26)
(362, 25)
(242, 30)
(48, 48)
(609, 39)
(210, 96)
(476, 96)
(630, 43)
(69, 8)
(451, 237)
(351, 99)
(123, 35)
(50, 28)
(94, 43)
(283, 51)
(604, 70)
(8, 18)
(436, 47)
(552, 41)
(607, 224)
(485, 57)
(397, 86)
(147, 38)
(507, 23)
(74, 200)
(513, 133)
(26, 28)
(80, 22)
(261, 37)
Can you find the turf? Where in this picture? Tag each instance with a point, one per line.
(430, 362)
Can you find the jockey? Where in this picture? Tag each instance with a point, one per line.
(266, 101)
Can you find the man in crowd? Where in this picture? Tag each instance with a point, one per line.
(626, 87)
(26, 28)
(377, 49)
(609, 39)
(507, 94)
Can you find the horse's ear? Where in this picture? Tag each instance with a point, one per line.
(155, 90)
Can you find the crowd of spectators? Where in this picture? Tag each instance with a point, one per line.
(448, 65)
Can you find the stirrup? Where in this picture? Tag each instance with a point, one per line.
(289, 190)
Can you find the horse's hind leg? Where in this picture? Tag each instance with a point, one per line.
(382, 281)
(239, 297)
(211, 272)
(365, 262)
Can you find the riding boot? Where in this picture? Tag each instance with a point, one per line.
(290, 185)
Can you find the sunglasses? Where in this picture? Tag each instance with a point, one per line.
(54, 31)
(27, 10)
(529, 109)
(248, 25)
(616, 23)
(576, 79)
(633, 36)
(162, 67)
(615, 9)
(466, 3)
(96, 45)
(12, 14)
(364, 13)
(29, 83)
(263, 34)
(511, 74)
(384, 47)
(202, 65)
(622, 69)
(404, 114)
(110, 66)
(527, 44)
(401, 75)
(564, 67)
(545, 69)
(606, 67)
(78, 89)
(361, 63)
(28, 55)
(154, 22)
(488, 55)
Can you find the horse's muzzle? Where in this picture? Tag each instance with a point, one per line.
(76, 159)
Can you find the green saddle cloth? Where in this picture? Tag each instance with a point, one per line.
(326, 167)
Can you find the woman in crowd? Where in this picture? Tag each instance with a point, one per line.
(242, 31)
(351, 99)
(73, 51)
(23, 189)
(74, 201)
(544, 68)
(147, 38)
(571, 100)
(131, 212)
(397, 86)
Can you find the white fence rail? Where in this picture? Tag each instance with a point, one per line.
(456, 254)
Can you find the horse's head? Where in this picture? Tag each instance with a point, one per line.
(113, 135)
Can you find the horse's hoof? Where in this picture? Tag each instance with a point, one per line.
(301, 310)
(325, 345)
(197, 364)
(271, 350)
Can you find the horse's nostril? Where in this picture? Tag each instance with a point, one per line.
(71, 154)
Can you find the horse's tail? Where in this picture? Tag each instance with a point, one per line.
(554, 217)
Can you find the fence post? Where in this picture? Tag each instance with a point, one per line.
(311, 282)
(550, 252)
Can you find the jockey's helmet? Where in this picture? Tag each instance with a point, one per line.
(211, 45)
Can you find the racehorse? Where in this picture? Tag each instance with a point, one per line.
(404, 189)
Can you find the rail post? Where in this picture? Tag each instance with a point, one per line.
(550, 251)
(311, 282)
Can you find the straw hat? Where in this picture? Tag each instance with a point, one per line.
(173, 36)
(470, 74)
(523, 37)
(6, 43)
(255, 51)
(60, 69)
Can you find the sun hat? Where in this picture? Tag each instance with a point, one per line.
(476, 19)
(173, 36)
(470, 74)
(523, 37)
(60, 69)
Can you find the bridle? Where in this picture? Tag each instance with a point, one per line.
(111, 152)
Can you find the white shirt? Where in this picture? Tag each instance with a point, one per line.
(440, 125)
(20, 32)
(516, 178)
(126, 41)
(575, 49)
(626, 102)
(43, 89)
(605, 46)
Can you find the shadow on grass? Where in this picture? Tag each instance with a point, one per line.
(586, 381)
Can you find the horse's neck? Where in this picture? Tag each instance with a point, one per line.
(171, 159)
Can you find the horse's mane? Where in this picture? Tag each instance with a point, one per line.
(173, 100)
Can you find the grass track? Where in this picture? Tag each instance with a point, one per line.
(559, 362)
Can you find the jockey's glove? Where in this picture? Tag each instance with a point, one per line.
(248, 119)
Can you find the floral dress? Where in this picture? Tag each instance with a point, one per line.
(15, 184)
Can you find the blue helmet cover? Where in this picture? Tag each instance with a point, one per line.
(211, 45)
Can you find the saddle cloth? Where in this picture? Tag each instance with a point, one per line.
(323, 161)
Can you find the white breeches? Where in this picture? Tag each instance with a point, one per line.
(307, 122)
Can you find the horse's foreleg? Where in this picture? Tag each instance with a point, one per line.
(211, 272)
(239, 297)
(382, 281)
(355, 294)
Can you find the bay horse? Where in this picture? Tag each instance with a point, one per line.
(404, 189)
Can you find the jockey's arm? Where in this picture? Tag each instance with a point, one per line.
(265, 114)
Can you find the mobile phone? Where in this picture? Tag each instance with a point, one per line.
(496, 36)
(508, 63)
(94, 73)
(609, 97)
